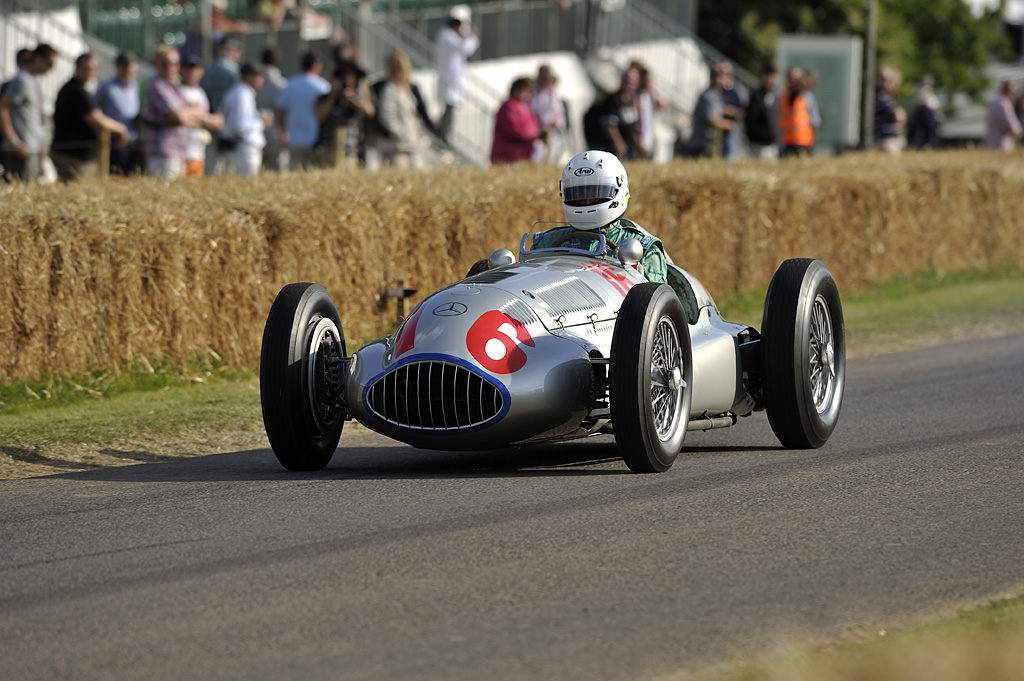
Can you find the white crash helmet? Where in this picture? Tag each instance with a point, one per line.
(594, 190)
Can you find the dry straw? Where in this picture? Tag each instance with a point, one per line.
(99, 275)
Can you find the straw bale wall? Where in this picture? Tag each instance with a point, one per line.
(103, 274)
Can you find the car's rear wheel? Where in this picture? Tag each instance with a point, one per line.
(803, 342)
(301, 377)
(650, 377)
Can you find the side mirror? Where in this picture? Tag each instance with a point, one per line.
(630, 251)
(500, 257)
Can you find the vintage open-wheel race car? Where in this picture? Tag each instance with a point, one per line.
(558, 344)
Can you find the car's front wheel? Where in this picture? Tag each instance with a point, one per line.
(301, 377)
(650, 377)
(803, 342)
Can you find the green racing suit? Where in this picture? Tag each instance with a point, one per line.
(652, 264)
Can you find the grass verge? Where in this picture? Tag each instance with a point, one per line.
(153, 413)
(986, 644)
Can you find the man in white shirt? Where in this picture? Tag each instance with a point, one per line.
(456, 41)
(244, 124)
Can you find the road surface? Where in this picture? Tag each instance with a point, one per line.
(552, 562)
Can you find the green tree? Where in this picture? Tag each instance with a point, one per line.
(937, 37)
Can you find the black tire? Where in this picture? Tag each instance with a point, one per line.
(803, 345)
(300, 377)
(478, 267)
(650, 417)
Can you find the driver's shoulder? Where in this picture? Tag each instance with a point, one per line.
(631, 229)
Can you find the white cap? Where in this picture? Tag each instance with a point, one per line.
(461, 12)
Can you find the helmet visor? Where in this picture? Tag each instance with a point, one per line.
(589, 194)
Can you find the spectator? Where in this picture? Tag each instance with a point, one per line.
(733, 106)
(76, 119)
(550, 111)
(761, 120)
(398, 115)
(345, 108)
(199, 137)
(274, 157)
(168, 118)
(456, 41)
(515, 126)
(648, 104)
(1002, 128)
(889, 117)
(220, 26)
(923, 128)
(243, 123)
(611, 124)
(709, 115)
(118, 98)
(223, 72)
(795, 116)
(22, 58)
(21, 118)
(297, 125)
(811, 82)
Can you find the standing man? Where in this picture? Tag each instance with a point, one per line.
(733, 108)
(889, 116)
(168, 118)
(223, 72)
(76, 119)
(795, 116)
(709, 115)
(21, 117)
(118, 99)
(297, 125)
(274, 156)
(456, 41)
(1002, 128)
(243, 123)
(761, 120)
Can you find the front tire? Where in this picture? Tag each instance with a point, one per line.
(803, 341)
(300, 377)
(650, 377)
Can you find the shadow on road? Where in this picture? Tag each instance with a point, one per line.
(373, 457)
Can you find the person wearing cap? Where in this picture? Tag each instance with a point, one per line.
(243, 123)
(456, 41)
(200, 136)
(223, 72)
(118, 98)
(709, 114)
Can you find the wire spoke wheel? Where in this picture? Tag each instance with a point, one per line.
(650, 375)
(803, 353)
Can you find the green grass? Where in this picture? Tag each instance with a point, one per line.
(985, 644)
(929, 307)
(207, 405)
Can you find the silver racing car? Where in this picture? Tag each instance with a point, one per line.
(560, 343)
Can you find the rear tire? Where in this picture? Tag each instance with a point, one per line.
(803, 340)
(300, 377)
(650, 377)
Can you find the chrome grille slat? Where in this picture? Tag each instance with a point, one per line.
(434, 395)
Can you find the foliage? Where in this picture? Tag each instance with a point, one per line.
(940, 38)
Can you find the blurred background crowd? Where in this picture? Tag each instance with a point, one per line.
(235, 92)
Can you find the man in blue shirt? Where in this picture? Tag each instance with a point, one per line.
(118, 98)
(297, 124)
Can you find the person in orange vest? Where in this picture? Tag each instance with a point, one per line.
(795, 126)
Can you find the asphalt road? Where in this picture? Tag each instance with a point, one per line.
(543, 563)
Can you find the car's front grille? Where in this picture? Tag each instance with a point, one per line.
(434, 395)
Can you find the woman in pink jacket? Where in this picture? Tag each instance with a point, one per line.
(515, 127)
